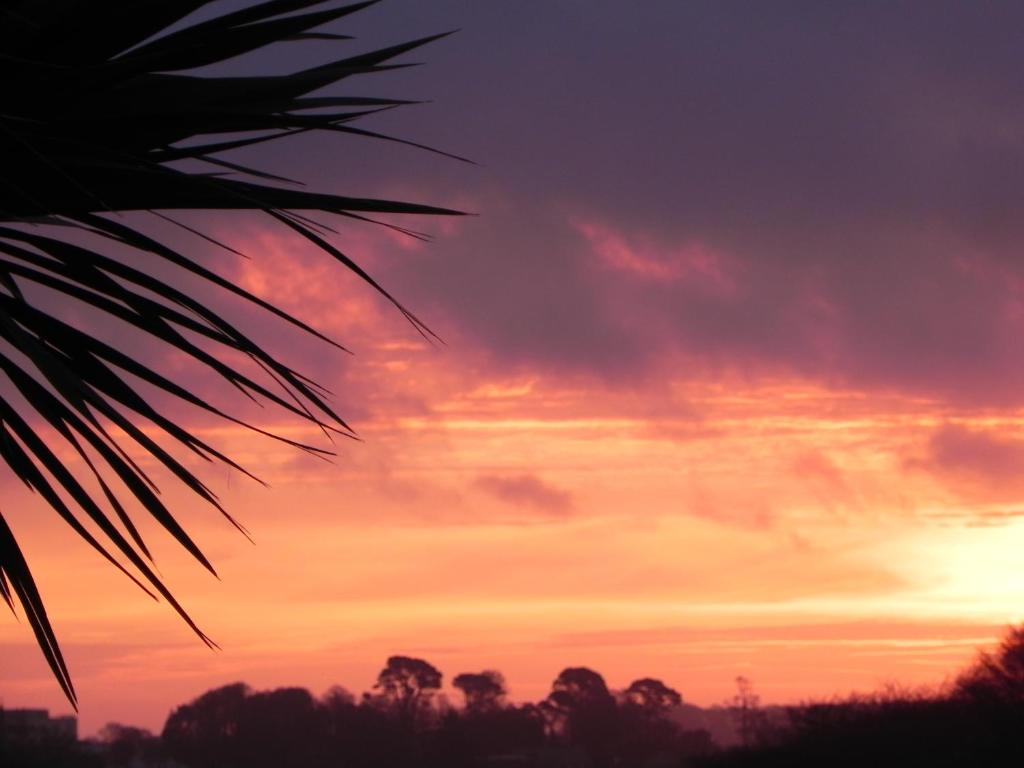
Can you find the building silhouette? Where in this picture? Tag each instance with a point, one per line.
(35, 726)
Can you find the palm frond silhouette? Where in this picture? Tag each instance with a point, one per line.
(101, 116)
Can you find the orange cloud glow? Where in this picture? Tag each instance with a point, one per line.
(799, 534)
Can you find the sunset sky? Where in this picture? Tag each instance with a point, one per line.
(732, 381)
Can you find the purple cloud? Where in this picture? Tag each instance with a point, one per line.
(526, 490)
(852, 173)
(976, 454)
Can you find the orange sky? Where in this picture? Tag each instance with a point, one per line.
(810, 538)
(732, 383)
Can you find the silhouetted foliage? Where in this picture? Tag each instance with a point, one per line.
(404, 723)
(406, 687)
(751, 721)
(997, 679)
(104, 112)
(280, 727)
(509, 734)
(645, 730)
(126, 745)
(204, 734)
(889, 729)
(582, 712)
(651, 696)
(978, 721)
(483, 691)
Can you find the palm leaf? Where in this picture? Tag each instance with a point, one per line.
(100, 110)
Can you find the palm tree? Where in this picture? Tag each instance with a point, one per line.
(100, 115)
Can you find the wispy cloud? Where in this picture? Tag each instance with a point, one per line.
(978, 463)
(526, 490)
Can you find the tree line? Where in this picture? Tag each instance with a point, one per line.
(405, 720)
(976, 720)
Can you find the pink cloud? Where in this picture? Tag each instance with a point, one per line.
(981, 466)
(976, 453)
(526, 490)
(693, 262)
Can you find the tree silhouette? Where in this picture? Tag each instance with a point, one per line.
(484, 691)
(126, 745)
(235, 727)
(750, 719)
(997, 678)
(579, 686)
(279, 727)
(646, 731)
(102, 116)
(406, 686)
(202, 734)
(651, 696)
(582, 711)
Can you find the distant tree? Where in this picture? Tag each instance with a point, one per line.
(507, 734)
(645, 729)
(406, 686)
(582, 712)
(579, 686)
(202, 734)
(126, 745)
(998, 677)
(483, 691)
(517, 728)
(338, 696)
(355, 736)
(893, 726)
(339, 713)
(750, 719)
(651, 696)
(235, 726)
(280, 727)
